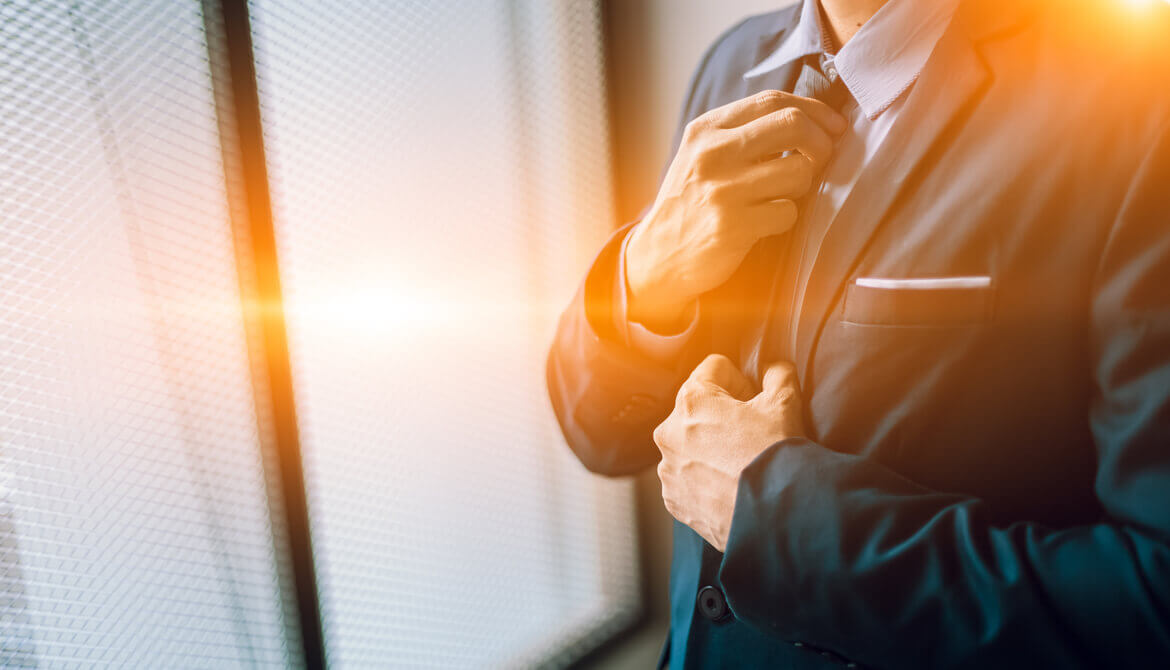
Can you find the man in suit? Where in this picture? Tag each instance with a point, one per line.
(900, 341)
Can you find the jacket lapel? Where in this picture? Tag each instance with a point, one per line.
(951, 83)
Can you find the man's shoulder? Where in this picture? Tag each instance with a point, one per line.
(753, 32)
(747, 39)
(1087, 65)
(1123, 42)
(719, 76)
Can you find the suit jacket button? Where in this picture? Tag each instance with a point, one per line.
(712, 603)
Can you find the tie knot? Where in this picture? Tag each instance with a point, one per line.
(813, 83)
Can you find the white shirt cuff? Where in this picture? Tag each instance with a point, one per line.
(653, 345)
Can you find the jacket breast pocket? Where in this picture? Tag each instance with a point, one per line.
(930, 301)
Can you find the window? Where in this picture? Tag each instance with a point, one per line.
(134, 517)
(437, 166)
(439, 174)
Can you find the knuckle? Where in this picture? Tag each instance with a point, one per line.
(789, 117)
(696, 127)
(770, 98)
(801, 119)
(662, 432)
(716, 364)
(717, 360)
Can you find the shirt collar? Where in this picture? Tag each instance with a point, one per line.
(882, 60)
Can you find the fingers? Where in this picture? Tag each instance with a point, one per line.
(825, 116)
(748, 109)
(780, 382)
(660, 438)
(741, 111)
(786, 177)
(788, 129)
(768, 218)
(718, 369)
(780, 397)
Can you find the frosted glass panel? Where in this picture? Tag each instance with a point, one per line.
(440, 174)
(134, 521)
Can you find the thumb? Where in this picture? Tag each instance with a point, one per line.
(780, 380)
(718, 369)
(771, 218)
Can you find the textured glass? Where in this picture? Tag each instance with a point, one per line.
(134, 522)
(440, 176)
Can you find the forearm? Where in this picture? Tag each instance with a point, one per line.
(840, 552)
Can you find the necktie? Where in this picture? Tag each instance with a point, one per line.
(813, 83)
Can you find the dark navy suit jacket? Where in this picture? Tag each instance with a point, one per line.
(987, 477)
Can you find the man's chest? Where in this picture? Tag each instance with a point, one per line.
(947, 338)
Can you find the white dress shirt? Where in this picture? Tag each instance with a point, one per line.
(878, 66)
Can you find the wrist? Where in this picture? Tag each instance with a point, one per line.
(663, 322)
(647, 303)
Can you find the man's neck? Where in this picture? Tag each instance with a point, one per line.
(845, 17)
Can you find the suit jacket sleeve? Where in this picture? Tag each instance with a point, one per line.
(608, 393)
(840, 552)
